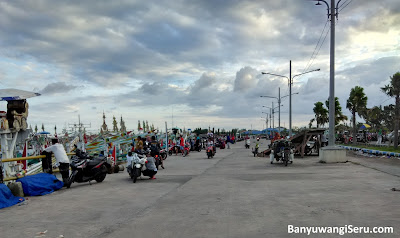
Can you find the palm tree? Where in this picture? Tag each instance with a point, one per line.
(338, 111)
(393, 90)
(321, 114)
(356, 103)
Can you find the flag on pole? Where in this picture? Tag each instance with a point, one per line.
(114, 156)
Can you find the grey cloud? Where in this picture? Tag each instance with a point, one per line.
(245, 79)
(57, 88)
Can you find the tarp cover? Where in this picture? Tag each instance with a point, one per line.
(7, 199)
(40, 184)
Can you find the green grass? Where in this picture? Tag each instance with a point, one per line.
(372, 147)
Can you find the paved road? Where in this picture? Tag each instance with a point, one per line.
(231, 195)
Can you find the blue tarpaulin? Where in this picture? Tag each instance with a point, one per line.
(7, 199)
(40, 184)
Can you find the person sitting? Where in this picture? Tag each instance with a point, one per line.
(151, 169)
(129, 159)
(139, 144)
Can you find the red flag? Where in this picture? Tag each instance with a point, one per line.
(24, 154)
(114, 156)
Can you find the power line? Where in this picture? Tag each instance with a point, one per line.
(339, 10)
(320, 46)
(316, 46)
(344, 2)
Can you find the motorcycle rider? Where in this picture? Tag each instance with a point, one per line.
(155, 150)
(210, 142)
(62, 160)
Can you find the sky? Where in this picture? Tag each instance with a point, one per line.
(192, 63)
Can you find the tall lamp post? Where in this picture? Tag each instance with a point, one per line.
(290, 78)
(332, 13)
(279, 98)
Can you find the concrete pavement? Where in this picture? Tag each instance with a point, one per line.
(232, 195)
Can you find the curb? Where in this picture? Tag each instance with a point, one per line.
(372, 152)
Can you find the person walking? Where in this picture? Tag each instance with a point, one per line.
(228, 140)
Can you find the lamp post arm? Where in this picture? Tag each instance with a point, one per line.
(275, 75)
(269, 97)
(327, 5)
(305, 73)
(288, 95)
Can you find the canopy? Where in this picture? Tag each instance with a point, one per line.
(44, 133)
(9, 94)
(365, 126)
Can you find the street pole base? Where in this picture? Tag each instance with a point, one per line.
(332, 154)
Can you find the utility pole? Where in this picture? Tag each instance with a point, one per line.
(332, 13)
(279, 114)
(290, 98)
(273, 117)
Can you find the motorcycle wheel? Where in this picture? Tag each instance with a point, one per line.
(99, 178)
(70, 180)
(286, 159)
(136, 174)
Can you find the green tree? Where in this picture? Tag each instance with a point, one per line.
(393, 90)
(356, 103)
(138, 125)
(144, 125)
(339, 117)
(321, 114)
(388, 115)
(374, 116)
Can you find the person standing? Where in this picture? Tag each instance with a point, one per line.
(379, 142)
(62, 160)
(228, 140)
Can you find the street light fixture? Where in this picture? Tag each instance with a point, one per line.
(290, 78)
(279, 98)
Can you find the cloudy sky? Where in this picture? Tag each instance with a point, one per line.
(200, 61)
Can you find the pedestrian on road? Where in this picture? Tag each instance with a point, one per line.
(228, 140)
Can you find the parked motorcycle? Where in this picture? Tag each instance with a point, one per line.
(282, 150)
(136, 166)
(86, 169)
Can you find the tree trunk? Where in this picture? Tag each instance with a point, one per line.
(396, 123)
(354, 127)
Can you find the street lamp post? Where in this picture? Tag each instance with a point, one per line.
(279, 98)
(290, 90)
(332, 13)
(270, 114)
